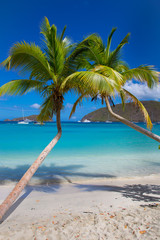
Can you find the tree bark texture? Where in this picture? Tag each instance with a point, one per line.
(130, 124)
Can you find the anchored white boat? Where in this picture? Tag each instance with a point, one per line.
(24, 121)
(86, 121)
(38, 123)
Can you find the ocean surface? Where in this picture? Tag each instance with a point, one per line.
(85, 150)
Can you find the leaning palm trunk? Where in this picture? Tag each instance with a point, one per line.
(30, 172)
(130, 124)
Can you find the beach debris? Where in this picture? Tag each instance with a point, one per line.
(52, 222)
(125, 226)
(42, 228)
(112, 216)
(142, 232)
(37, 201)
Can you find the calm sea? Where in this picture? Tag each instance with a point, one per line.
(86, 150)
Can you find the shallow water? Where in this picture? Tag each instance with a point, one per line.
(86, 150)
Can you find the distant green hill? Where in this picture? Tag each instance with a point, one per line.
(131, 112)
(31, 117)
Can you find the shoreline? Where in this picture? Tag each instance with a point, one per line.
(60, 179)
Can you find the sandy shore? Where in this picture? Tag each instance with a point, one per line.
(90, 210)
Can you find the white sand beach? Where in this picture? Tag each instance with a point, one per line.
(107, 209)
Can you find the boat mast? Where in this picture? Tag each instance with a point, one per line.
(23, 113)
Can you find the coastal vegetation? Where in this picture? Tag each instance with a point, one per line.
(52, 71)
(46, 69)
(106, 74)
(131, 112)
(33, 118)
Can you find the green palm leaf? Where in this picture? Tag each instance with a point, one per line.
(53, 46)
(144, 74)
(113, 58)
(141, 107)
(78, 101)
(90, 82)
(79, 57)
(62, 34)
(107, 51)
(110, 73)
(29, 59)
(123, 98)
(20, 87)
(46, 110)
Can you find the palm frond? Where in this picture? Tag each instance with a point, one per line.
(110, 73)
(114, 56)
(107, 51)
(62, 34)
(90, 82)
(78, 101)
(141, 107)
(144, 74)
(29, 59)
(20, 87)
(46, 110)
(6, 63)
(53, 47)
(121, 66)
(123, 98)
(45, 26)
(79, 57)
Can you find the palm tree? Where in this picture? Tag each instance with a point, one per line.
(106, 75)
(47, 69)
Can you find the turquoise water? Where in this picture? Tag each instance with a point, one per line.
(86, 150)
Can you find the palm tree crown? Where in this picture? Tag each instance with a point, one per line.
(105, 73)
(46, 70)
(47, 67)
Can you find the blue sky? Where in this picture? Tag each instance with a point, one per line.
(20, 20)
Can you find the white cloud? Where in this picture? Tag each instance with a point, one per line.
(69, 105)
(67, 41)
(35, 105)
(142, 92)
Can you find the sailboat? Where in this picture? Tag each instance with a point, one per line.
(25, 121)
(108, 121)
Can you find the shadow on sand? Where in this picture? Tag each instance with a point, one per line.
(46, 179)
(51, 177)
(136, 192)
(49, 174)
